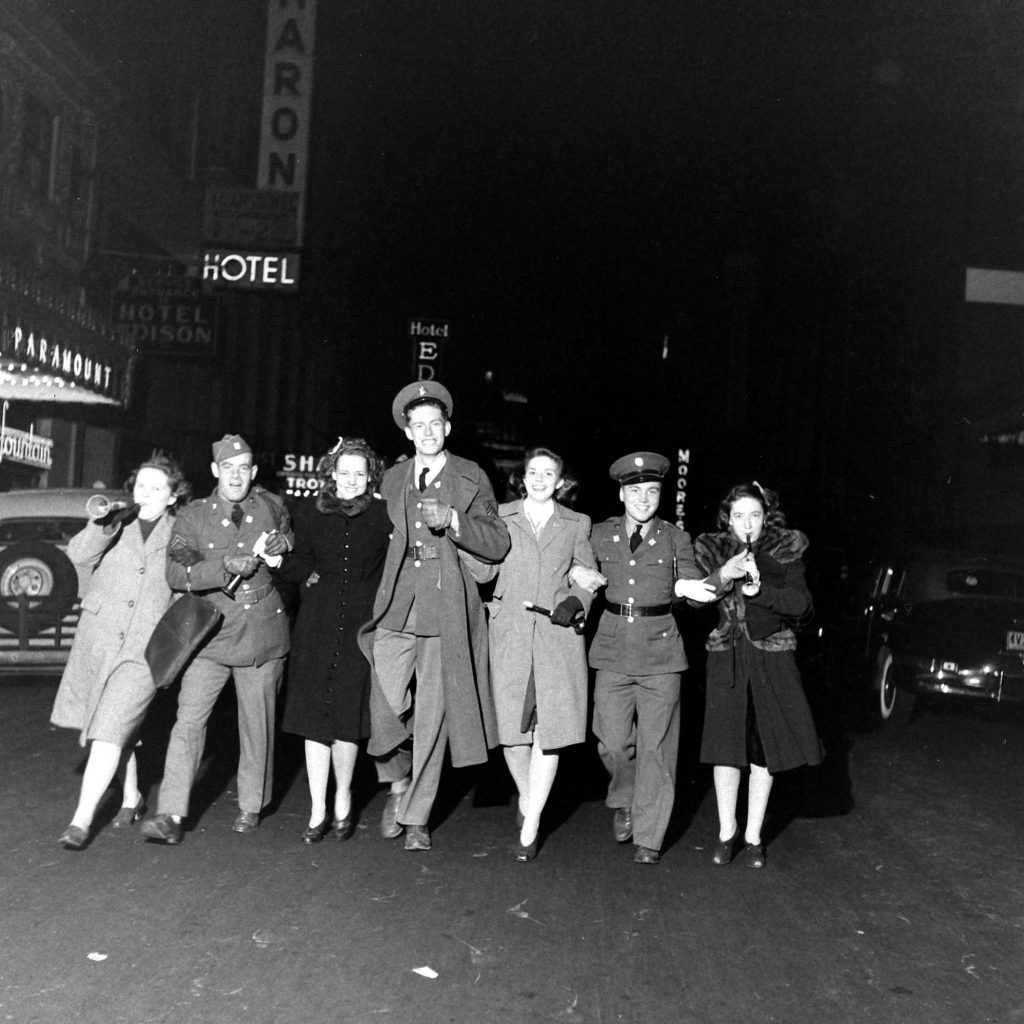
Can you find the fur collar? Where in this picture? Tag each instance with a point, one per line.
(715, 549)
(331, 504)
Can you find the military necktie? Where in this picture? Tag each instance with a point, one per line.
(634, 539)
(236, 515)
(423, 480)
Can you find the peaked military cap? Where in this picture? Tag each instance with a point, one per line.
(638, 468)
(229, 446)
(413, 393)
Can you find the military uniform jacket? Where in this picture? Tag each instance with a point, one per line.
(255, 626)
(648, 645)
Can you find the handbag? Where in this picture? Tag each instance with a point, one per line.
(181, 631)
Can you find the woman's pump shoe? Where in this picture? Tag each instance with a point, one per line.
(343, 828)
(725, 850)
(752, 855)
(73, 838)
(315, 833)
(524, 854)
(127, 816)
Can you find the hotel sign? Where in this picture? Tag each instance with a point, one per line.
(429, 338)
(255, 271)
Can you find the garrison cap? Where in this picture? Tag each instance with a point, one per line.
(228, 447)
(638, 468)
(415, 392)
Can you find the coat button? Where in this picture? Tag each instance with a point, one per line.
(142, 571)
(120, 636)
(131, 604)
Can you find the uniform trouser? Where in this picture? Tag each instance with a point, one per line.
(256, 689)
(636, 721)
(396, 656)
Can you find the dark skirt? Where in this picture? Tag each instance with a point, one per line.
(778, 726)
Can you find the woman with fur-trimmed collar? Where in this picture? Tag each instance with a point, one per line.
(341, 539)
(756, 713)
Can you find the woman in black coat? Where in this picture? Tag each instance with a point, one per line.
(341, 538)
(756, 713)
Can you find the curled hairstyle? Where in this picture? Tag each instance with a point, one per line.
(768, 499)
(171, 468)
(564, 494)
(348, 446)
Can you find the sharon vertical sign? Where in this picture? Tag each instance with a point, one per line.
(287, 99)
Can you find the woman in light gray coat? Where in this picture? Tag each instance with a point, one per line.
(538, 664)
(107, 686)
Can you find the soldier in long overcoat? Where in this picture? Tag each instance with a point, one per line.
(107, 686)
(428, 618)
(538, 663)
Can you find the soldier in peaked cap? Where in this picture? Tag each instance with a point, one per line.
(418, 393)
(211, 545)
(647, 564)
(428, 618)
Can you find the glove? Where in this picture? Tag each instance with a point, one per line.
(241, 565)
(436, 514)
(185, 556)
(119, 517)
(567, 611)
(275, 544)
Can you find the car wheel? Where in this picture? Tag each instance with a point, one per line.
(42, 574)
(895, 706)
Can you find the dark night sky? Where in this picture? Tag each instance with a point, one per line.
(567, 182)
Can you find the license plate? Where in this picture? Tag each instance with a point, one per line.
(1015, 640)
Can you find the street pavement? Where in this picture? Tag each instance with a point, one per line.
(893, 893)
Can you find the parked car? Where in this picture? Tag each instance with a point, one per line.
(39, 587)
(943, 624)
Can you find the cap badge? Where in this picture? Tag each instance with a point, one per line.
(423, 391)
(638, 461)
(236, 446)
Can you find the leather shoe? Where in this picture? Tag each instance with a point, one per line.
(245, 822)
(524, 854)
(417, 838)
(127, 816)
(343, 828)
(645, 855)
(162, 828)
(315, 833)
(725, 850)
(752, 855)
(73, 838)
(389, 827)
(622, 825)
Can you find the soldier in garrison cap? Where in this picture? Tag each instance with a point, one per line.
(647, 564)
(211, 547)
(428, 618)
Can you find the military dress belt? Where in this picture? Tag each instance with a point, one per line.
(629, 611)
(250, 597)
(424, 552)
